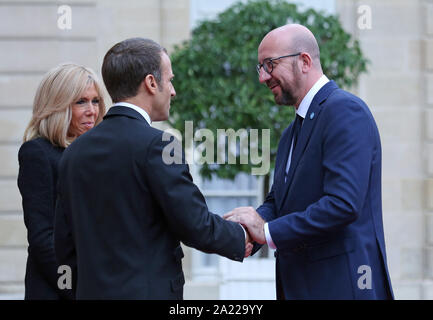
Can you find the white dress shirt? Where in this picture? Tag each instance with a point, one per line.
(136, 108)
(302, 112)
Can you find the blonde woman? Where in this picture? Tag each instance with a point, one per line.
(68, 103)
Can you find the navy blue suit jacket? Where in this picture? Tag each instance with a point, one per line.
(326, 220)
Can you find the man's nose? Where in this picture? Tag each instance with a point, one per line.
(263, 75)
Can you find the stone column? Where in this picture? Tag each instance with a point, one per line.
(427, 34)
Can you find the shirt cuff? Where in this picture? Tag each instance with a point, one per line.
(269, 241)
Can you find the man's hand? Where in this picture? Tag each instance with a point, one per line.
(248, 247)
(248, 242)
(251, 220)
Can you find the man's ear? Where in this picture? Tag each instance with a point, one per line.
(150, 84)
(307, 62)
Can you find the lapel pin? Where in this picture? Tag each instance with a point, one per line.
(311, 115)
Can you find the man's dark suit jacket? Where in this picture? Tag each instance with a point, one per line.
(37, 179)
(326, 220)
(128, 211)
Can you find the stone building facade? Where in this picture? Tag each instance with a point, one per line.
(398, 88)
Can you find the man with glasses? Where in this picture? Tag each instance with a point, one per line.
(323, 214)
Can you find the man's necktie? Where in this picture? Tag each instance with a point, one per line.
(296, 129)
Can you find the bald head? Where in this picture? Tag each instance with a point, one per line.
(287, 74)
(293, 38)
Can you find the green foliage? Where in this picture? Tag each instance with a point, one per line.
(216, 80)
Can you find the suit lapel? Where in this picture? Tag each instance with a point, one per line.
(307, 128)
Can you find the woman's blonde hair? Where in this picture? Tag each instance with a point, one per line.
(60, 88)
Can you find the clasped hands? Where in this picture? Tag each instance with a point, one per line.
(253, 224)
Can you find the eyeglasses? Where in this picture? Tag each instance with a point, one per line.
(268, 64)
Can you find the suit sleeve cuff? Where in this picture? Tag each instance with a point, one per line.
(269, 241)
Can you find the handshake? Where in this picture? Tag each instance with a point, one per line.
(253, 224)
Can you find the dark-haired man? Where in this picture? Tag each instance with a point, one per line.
(126, 208)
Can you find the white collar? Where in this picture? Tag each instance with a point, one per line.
(136, 108)
(305, 103)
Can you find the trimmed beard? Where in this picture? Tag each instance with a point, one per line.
(287, 96)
